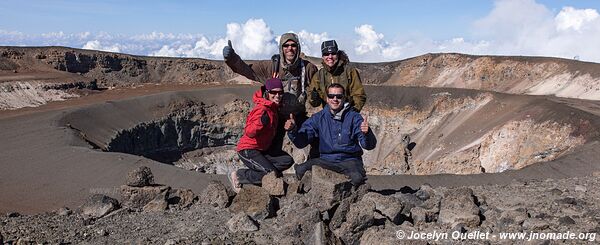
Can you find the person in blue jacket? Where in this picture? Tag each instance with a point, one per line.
(342, 133)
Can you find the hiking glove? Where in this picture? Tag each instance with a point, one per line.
(228, 50)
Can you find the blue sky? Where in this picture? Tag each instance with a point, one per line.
(370, 30)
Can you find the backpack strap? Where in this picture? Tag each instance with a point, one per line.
(275, 66)
(303, 77)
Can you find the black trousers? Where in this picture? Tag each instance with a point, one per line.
(260, 163)
(354, 169)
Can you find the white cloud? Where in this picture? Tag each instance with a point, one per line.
(311, 42)
(512, 27)
(571, 18)
(369, 40)
(96, 45)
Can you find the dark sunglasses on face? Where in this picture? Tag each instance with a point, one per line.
(275, 92)
(338, 96)
(328, 54)
(293, 45)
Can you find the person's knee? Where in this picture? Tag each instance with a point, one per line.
(357, 178)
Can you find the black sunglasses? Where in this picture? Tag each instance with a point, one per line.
(275, 92)
(327, 54)
(293, 45)
(338, 96)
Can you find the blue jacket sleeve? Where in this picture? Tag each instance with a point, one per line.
(366, 141)
(305, 135)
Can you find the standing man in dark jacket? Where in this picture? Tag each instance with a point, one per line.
(294, 71)
(342, 133)
(335, 70)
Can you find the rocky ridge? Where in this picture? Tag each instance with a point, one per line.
(327, 211)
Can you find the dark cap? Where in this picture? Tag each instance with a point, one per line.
(329, 47)
(273, 83)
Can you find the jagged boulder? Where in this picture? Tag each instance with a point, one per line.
(181, 198)
(292, 185)
(241, 222)
(328, 188)
(389, 206)
(99, 205)
(420, 215)
(296, 219)
(273, 184)
(305, 182)
(136, 198)
(339, 214)
(254, 201)
(458, 206)
(158, 204)
(321, 235)
(388, 234)
(359, 218)
(214, 195)
(140, 177)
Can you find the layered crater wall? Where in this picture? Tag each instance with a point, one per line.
(421, 131)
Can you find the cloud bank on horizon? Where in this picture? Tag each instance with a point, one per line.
(512, 27)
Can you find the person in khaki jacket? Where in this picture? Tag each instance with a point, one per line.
(335, 70)
(293, 71)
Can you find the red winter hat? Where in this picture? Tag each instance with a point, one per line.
(273, 83)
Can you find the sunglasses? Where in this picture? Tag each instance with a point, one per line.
(338, 96)
(275, 92)
(328, 54)
(293, 45)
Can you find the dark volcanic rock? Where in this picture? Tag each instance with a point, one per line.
(359, 218)
(305, 182)
(181, 198)
(339, 215)
(140, 177)
(214, 195)
(99, 205)
(241, 222)
(458, 206)
(254, 201)
(389, 206)
(273, 184)
(321, 235)
(158, 204)
(296, 219)
(137, 197)
(328, 188)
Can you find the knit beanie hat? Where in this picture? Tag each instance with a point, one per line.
(273, 83)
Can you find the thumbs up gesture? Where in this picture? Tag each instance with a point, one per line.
(364, 126)
(228, 50)
(290, 123)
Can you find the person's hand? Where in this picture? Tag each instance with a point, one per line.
(228, 50)
(290, 123)
(364, 126)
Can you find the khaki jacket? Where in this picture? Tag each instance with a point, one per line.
(342, 74)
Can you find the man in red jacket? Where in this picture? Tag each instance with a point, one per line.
(261, 127)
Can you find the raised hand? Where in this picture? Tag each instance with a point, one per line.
(290, 123)
(228, 50)
(364, 126)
